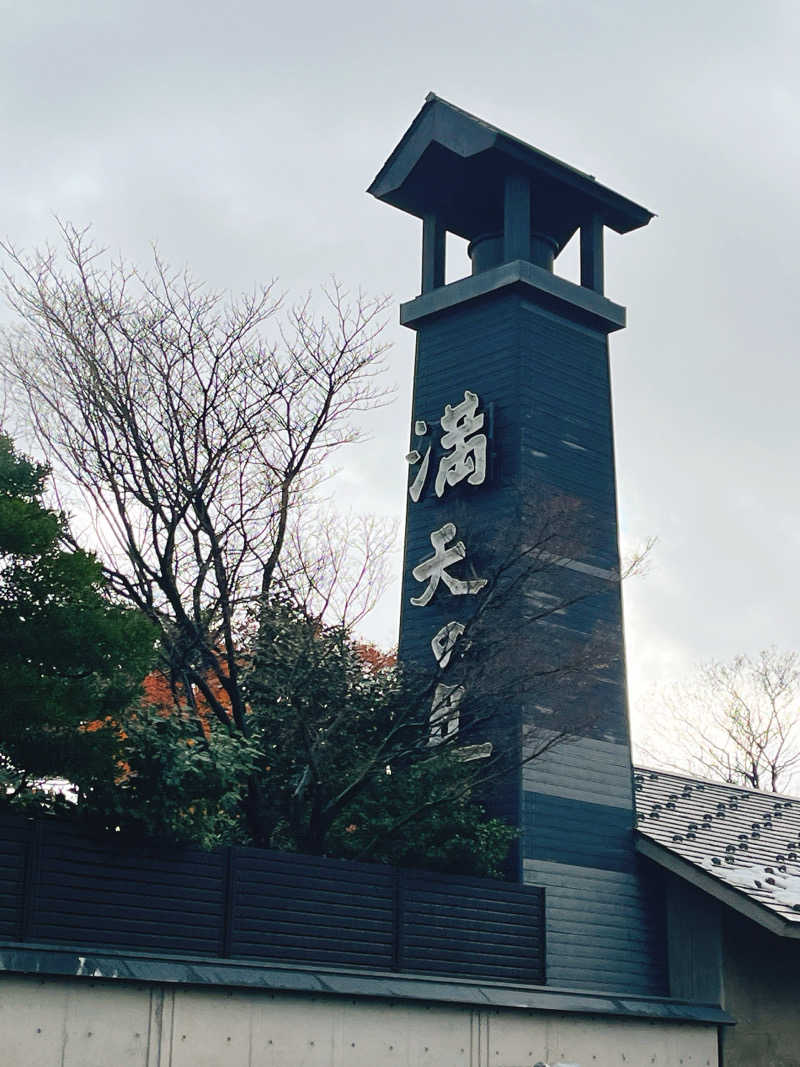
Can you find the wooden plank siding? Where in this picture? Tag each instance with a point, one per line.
(60, 885)
(587, 769)
(605, 929)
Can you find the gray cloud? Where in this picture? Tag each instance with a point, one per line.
(241, 139)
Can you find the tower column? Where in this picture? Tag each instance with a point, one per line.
(511, 528)
(592, 253)
(433, 252)
(516, 216)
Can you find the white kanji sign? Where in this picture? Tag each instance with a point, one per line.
(466, 457)
(434, 569)
(414, 457)
(444, 712)
(444, 641)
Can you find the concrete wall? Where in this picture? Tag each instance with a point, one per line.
(61, 1022)
(761, 989)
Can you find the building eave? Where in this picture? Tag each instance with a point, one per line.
(100, 964)
(726, 894)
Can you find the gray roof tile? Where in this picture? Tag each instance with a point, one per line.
(746, 839)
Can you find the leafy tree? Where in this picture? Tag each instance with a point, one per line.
(170, 780)
(69, 655)
(424, 814)
(338, 742)
(345, 758)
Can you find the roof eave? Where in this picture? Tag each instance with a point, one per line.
(387, 180)
(433, 123)
(726, 894)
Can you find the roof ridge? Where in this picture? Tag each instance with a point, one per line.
(686, 775)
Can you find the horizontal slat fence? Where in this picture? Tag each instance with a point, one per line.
(456, 932)
(60, 885)
(15, 837)
(148, 899)
(302, 908)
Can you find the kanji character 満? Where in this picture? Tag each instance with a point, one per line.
(414, 457)
(468, 456)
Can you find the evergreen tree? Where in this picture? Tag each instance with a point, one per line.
(70, 659)
(346, 766)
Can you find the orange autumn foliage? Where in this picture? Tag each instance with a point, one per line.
(375, 658)
(158, 693)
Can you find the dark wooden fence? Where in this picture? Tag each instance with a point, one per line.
(59, 885)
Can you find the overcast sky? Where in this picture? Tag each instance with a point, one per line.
(241, 136)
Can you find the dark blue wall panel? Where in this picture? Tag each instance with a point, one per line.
(574, 832)
(545, 378)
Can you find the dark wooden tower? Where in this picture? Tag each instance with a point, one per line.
(512, 459)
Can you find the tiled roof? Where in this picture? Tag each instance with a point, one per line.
(744, 839)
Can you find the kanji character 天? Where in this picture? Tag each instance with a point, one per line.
(434, 569)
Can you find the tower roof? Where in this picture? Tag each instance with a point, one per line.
(453, 164)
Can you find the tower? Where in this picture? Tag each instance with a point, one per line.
(511, 531)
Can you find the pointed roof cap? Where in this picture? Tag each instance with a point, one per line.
(453, 164)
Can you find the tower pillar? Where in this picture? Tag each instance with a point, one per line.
(511, 595)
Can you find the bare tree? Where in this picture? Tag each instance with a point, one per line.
(736, 721)
(338, 564)
(193, 435)
(194, 438)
